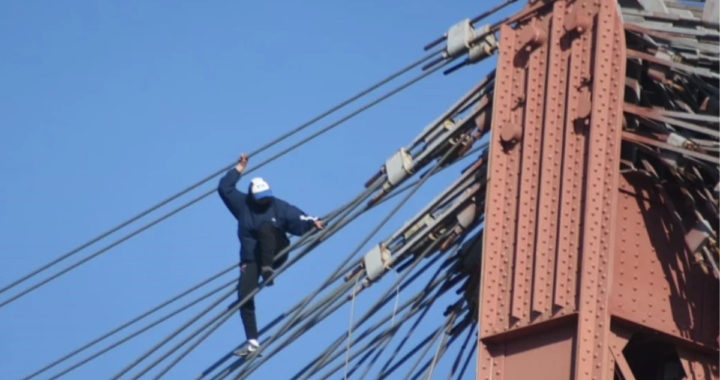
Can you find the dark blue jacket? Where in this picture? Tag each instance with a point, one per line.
(250, 216)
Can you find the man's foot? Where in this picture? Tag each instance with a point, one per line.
(266, 273)
(251, 346)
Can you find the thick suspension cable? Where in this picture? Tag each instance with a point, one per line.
(432, 283)
(383, 301)
(211, 191)
(402, 343)
(225, 315)
(471, 354)
(459, 357)
(369, 236)
(396, 192)
(220, 171)
(308, 324)
(218, 320)
(442, 349)
(142, 330)
(420, 305)
(302, 241)
(448, 322)
(365, 317)
(307, 242)
(437, 165)
(422, 344)
(315, 237)
(377, 340)
(127, 324)
(323, 308)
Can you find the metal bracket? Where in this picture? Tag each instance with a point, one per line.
(532, 36)
(398, 166)
(577, 21)
(485, 48)
(376, 262)
(447, 126)
(424, 221)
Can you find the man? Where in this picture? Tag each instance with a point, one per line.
(263, 221)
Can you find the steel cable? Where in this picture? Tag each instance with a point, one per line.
(374, 342)
(426, 349)
(373, 308)
(127, 324)
(442, 349)
(374, 230)
(383, 301)
(420, 305)
(303, 240)
(142, 330)
(394, 193)
(197, 286)
(312, 323)
(469, 357)
(261, 286)
(319, 309)
(425, 342)
(202, 196)
(432, 283)
(437, 165)
(460, 354)
(388, 197)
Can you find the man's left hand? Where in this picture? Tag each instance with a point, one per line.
(319, 224)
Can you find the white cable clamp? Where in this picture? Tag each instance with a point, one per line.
(398, 166)
(458, 38)
(677, 140)
(376, 262)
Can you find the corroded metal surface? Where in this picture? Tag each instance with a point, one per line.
(547, 127)
(586, 105)
(657, 282)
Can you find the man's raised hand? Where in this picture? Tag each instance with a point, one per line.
(242, 162)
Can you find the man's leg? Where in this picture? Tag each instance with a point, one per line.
(281, 242)
(271, 241)
(248, 283)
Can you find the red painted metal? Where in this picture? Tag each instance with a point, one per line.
(663, 287)
(572, 267)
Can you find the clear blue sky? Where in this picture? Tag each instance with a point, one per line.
(108, 107)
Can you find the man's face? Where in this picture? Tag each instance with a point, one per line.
(263, 201)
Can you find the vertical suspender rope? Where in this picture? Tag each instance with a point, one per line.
(350, 327)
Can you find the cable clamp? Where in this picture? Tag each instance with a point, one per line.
(376, 262)
(460, 37)
(398, 167)
(485, 47)
(679, 141)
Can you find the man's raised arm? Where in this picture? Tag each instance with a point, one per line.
(230, 195)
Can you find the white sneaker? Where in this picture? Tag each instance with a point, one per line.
(247, 349)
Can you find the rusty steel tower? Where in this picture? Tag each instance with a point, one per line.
(601, 222)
